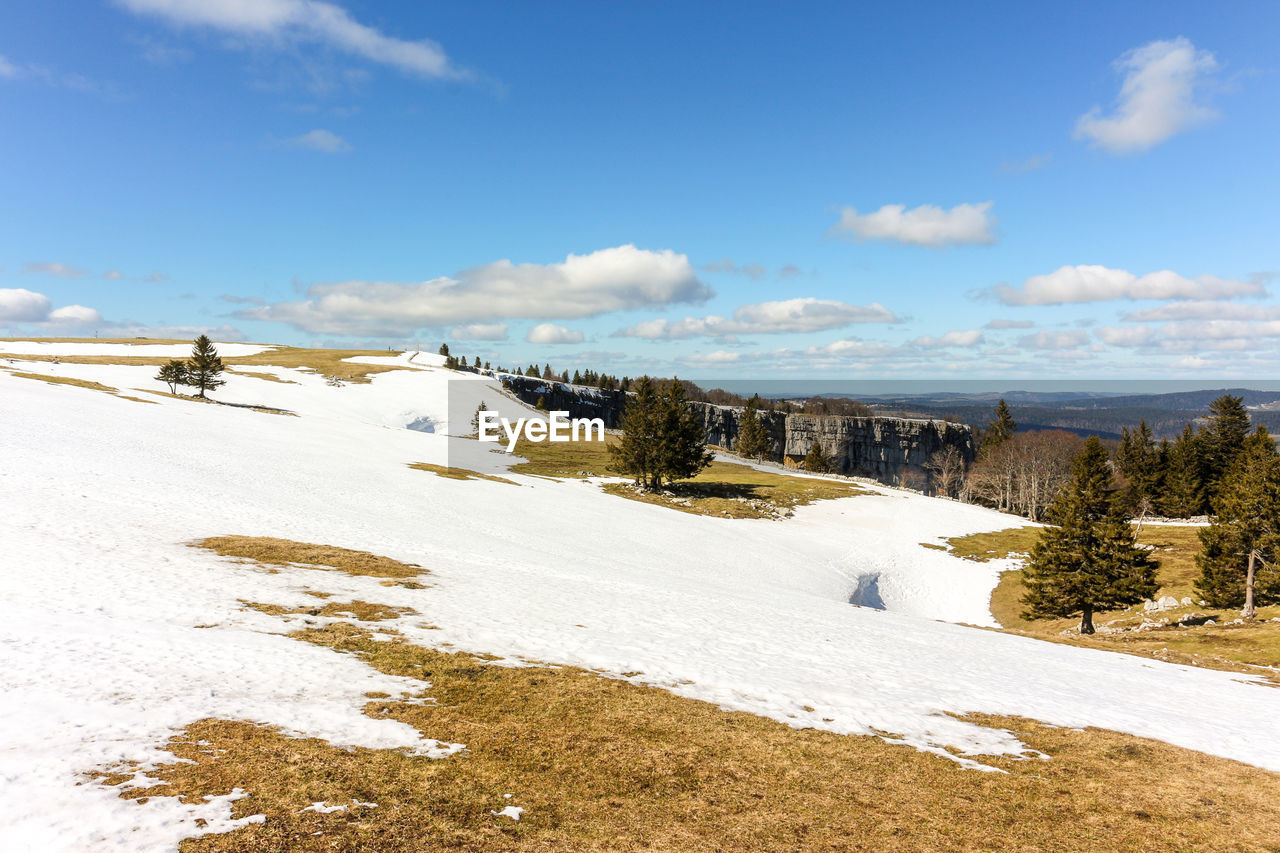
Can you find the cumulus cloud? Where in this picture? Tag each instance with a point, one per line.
(323, 141)
(156, 277)
(287, 22)
(479, 332)
(1054, 340)
(1157, 99)
(76, 316)
(617, 279)
(852, 348)
(52, 268)
(966, 338)
(113, 275)
(241, 300)
(1092, 283)
(926, 225)
(18, 305)
(788, 316)
(550, 333)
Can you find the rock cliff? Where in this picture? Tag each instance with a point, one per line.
(890, 450)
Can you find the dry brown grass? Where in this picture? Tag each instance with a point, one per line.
(283, 552)
(361, 611)
(269, 377)
(724, 489)
(133, 341)
(1236, 648)
(328, 362)
(459, 473)
(602, 764)
(79, 383)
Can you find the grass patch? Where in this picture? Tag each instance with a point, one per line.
(328, 362)
(459, 473)
(285, 552)
(79, 383)
(601, 764)
(724, 489)
(362, 611)
(269, 377)
(1237, 648)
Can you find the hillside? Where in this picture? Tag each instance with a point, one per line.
(128, 641)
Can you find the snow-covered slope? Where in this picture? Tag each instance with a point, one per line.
(114, 633)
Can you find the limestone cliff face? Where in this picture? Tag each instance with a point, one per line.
(884, 449)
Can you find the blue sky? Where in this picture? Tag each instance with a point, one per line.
(715, 190)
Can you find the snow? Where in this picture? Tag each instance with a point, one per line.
(229, 350)
(512, 812)
(115, 635)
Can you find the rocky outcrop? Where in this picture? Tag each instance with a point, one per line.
(891, 450)
(579, 401)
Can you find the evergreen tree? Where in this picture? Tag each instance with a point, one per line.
(542, 403)
(1089, 560)
(663, 438)
(173, 373)
(204, 366)
(1139, 464)
(1241, 547)
(1000, 430)
(444, 349)
(815, 460)
(753, 439)
(1183, 492)
(475, 419)
(1222, 439)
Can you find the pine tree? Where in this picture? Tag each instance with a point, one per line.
(204, 366)
(1089, 560)
(753, 439)
(1000, 430)
(1138, 462)
(815, 460)
(542, 403)
(1241, 546)
(444, 349)
(475, 419)
(663, 438)
(173, 373)
(1183, 492)
(1222, 439)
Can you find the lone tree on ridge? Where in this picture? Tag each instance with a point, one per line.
(204, 367)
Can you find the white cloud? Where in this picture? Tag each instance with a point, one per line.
(320, 140)
(926, 225)
(852, 348)
(1203, 310)
(479, 332)
(550, 333)
(617, 279)
(1054, 340)
(52, 268)
(1157, 99)
(1019, 167)
(788, 316)
(113, 275)
(1009, 324)
(23, 306)
(296, 21)
(1125, 336)
(77, 316)
(1092, 283)
(8, 69)
(966, 338)
(156, 277)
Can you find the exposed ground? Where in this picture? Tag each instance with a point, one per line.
(724, 489)
(602, 764)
